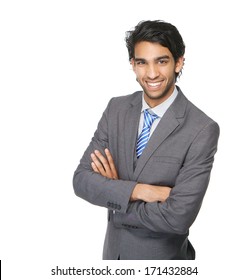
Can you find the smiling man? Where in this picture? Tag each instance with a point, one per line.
(156, 71)
(150, 159)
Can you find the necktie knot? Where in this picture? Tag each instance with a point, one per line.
(144, 136)
(149, 118)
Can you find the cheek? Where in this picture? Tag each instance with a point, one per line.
(168, 74)
(140, 72)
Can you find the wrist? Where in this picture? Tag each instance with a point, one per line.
(136, 194)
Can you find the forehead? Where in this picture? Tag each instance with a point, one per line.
(149, 51)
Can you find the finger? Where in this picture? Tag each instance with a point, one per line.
(111, 163)
(94, 167)
(104, 162)
(98, 164)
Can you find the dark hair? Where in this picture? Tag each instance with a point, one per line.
(156, 31)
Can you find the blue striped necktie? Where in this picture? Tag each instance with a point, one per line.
(144, 136)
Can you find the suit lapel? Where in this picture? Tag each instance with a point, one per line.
(165, 127)
(131, 122)
(168, 123)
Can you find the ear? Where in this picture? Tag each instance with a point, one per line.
(179, 64)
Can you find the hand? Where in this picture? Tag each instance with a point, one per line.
(150, 193)
(104, 165)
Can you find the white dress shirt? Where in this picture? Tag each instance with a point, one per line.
(159, 110)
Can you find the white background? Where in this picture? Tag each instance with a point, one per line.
(60, 63)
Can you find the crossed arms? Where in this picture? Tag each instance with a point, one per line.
(145, 192)
(150, 207)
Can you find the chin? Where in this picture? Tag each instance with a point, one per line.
(156, 95)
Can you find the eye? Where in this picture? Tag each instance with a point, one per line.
(163, 61)
(140, 62)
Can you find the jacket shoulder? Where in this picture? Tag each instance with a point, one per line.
(121, 103)
(199, 115)
(127, 100)
(191, 115)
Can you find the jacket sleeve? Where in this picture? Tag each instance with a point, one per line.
(179, 211)
(94, 188)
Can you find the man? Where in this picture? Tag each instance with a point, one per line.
(150, 159)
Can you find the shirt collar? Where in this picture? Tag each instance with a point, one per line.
(160, 109)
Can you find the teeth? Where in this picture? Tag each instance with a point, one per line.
(154, 84)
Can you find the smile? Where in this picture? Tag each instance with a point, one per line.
(154, 85)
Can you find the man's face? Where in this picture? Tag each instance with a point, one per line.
(155, 70)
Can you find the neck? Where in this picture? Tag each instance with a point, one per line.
(155, 101)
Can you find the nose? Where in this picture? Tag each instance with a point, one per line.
(152, 72)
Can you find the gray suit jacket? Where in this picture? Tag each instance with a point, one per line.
(180, 154)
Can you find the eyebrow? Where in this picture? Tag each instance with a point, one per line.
(156, 58)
